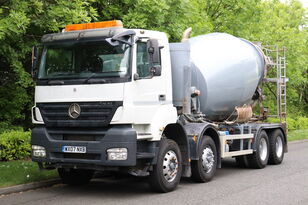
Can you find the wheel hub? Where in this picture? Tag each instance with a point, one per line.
(263, 149)
(207, 159)
(279, 146)
(170, 166)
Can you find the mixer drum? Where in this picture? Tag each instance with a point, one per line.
(227, 71)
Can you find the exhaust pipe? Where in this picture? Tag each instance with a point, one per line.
(186, 34)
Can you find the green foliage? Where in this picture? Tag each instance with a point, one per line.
(299, 123)
(292, 124)
(5, 126)
(298, 135)
(302, 123)
(15, 145)
(22, 23)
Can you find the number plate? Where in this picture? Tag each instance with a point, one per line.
(74, 149)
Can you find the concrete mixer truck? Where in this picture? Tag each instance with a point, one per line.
(110, 99)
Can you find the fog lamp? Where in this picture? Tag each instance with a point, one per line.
(38, 151)
(117, 154)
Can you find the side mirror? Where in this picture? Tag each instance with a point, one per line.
(35, 60)
(153, 50)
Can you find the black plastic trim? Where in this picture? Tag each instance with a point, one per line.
(115, 136)
(80, 81)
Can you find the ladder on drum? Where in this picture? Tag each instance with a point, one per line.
(277, 62)
(282, 87)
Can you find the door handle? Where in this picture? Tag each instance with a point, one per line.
(162, 97)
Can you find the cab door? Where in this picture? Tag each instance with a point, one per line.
(149, 88)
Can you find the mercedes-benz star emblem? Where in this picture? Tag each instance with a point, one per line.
(74, 110)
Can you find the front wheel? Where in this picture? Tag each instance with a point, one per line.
(203, 170)
(167, 172)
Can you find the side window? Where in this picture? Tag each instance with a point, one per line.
(143, 64)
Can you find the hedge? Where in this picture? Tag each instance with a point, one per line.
(300, 123)
(15, 145)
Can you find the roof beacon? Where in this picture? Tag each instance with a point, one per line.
(96, 25)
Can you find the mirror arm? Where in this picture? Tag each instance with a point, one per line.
(123, 41)
(119, 37)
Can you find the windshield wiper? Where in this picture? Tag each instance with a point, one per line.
(55, 82)
(92, 80)
(56, 74)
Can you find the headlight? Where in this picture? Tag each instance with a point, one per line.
(38, 151)
(117, 154)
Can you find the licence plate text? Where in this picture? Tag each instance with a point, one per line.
(74, 149)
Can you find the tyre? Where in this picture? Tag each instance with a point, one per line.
(203, 170)
(276, 145)
(75, 176)
(167, 172)
(260, 157)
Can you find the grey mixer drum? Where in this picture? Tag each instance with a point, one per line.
(227, 71)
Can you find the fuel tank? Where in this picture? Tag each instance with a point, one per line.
(226, 69)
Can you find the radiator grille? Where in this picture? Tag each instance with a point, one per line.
(92, 114)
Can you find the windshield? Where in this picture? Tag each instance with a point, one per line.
(84, 60)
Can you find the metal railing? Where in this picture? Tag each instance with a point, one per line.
(276, 73)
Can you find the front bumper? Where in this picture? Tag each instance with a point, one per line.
(96, 141)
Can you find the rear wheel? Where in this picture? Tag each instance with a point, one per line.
(203, 170)
(276, 144)
(167, 173)
(260, 157)
(75, 176)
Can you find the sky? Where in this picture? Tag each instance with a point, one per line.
(304, 2)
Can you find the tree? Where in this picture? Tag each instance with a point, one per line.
(282, 24)
(22, 23)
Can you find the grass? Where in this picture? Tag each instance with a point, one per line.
(297, 135)
(21, 172)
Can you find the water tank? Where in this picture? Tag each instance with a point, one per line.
(226, 69)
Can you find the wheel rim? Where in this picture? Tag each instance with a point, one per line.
(170, 166)
(279, 147)
(263, 149)
(207, 159)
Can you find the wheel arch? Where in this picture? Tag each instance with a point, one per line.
(211, 132)
(177, 133)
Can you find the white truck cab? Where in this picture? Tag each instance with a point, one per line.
(146, 101)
